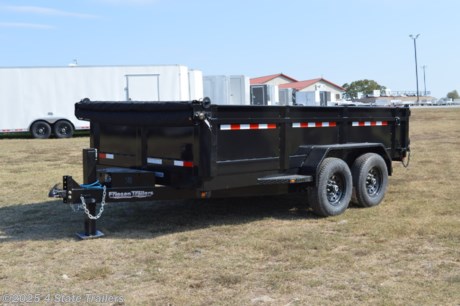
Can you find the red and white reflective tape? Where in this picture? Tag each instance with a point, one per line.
(156, 161)
(369, 123)
(176, 163)
(106, 156)
(251, 126)
(182, 163)
(13, 130)
(314, 124)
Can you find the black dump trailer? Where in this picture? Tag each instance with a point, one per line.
(143, 151)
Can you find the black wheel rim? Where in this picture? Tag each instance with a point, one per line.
(373, 182)
(335, 189)
(63, 129)
(41, 130)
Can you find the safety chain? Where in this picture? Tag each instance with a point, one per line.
(406, 164)
(76, 207)
(83, 205)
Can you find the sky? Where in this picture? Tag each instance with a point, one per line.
(339, 40)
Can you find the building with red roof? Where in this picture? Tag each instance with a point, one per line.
(273, 79)
(320, 89)
(307, 85)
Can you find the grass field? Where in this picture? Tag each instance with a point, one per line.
(263, 251)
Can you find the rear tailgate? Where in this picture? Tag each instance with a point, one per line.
(158, 137)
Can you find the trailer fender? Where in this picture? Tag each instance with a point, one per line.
(314, 155)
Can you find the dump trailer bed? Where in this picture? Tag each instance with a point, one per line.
(175, 150)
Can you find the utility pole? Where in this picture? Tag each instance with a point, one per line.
(414, 38)
(424, 79)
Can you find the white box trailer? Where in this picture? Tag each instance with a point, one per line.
(40, 100)
(227, 90)
(307, 98)
(287, 96)
(264, 94)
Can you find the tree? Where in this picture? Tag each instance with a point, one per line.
(365, 86)
(453, 95)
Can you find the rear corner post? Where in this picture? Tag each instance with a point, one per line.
(89, 177)
(89, 165)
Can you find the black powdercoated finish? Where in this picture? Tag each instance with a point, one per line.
(135, 113)
(144, 151)
(89, 165)
(204, 148)
(89, 177)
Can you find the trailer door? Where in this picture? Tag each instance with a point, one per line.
(325, 96)
(259, 95)
(142, 87)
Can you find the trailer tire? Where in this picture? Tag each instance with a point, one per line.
(40, 130)
(370, 180)
(332, 193)
(63, 129)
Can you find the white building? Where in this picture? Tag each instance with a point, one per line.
(316, 91)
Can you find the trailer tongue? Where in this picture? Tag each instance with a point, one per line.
(142, 151)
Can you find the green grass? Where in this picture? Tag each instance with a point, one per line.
(239, 251)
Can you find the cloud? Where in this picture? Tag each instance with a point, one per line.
(46, 11)
(23, 25)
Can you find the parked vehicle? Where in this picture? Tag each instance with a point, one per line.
(181, 150)
(40, 100)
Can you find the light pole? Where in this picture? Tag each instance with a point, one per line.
(424, 79)
(414, 38)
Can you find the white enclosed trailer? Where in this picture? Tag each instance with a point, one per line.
(287, 96)
(264, 94)
(227, 90)
(307, 98)
(40, 100)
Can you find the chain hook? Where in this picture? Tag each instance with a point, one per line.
(406, 164)
(101, 210)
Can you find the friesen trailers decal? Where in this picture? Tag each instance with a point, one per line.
(134, 194)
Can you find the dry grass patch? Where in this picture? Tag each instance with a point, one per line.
(262, 251)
